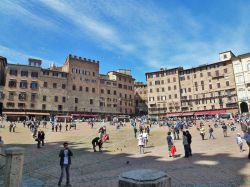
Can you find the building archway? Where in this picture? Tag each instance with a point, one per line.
(243, 107)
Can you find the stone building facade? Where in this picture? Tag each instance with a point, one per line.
(181, 91)
(141, 98)
(241, 66)
(75, 88)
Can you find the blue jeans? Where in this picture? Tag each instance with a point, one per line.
(66, 167)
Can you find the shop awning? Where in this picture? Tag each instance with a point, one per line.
(201, 113)
(188, 114)
(177, 114)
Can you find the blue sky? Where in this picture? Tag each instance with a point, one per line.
(141, 35)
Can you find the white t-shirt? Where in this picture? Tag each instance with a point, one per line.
(66, 158)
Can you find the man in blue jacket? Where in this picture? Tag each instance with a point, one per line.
(65, 161)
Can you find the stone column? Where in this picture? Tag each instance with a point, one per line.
(144, 178)
(13, 167)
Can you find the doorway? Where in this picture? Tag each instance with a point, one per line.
(243, 107)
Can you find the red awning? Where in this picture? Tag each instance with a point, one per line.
(201, 113)
(188, 114)
(174, 114)
(85, 115)
(214, 112)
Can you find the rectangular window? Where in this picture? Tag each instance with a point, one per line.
(54, 85)
(44, 98)
(174, 79)
(45, 84)
(114, 92)
(24, 73)
(227, 83)
(108, 91)
(23, 84)
(201, 74)
(33, 97)
(151, 90)
(225, 70)
(157, 82)
(162, 89)
(80, 88)
(210, 86)
(64, 75)
(22, 96)
(169, 88)
(218, 85)
(11, 95)
(46, 73)
(189, 89)
(34, 74)
(91, 101)
(175, 87)
(60, 108)
(194, 75)
(55, 74)
(43, 107)
(63, 86)
(76, 100)
(13, 72)
(87, 89)
(157, 90)
(169, 96)
(34, 85)
(10, 105)
(175, 96)
(73, 87)
(56, 98)
(63, 99)
(21, 105)
(93, 90)
(209, 74)
(168, 80)
(12, 83)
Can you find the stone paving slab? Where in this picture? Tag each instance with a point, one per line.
(214, 163)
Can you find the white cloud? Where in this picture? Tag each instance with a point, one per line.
(17, 10)
(18, 57)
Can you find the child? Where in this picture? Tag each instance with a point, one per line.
(173, 151)
(239, 141)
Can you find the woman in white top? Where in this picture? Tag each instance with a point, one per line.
(141, 143)
(145, 137)
(239, 142)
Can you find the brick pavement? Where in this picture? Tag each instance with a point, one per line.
(214, 163)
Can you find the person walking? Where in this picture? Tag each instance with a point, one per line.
(224, 128)
(66, 126)
(56, 127)
(189, 139)
(210, 130)
(185, 144)
(14, 127)
(247, 138)
(145, 137)
(141, 144)
(135, 131)
(170, 143)
(202, 132)
(239, 142)
(42, 137)
(65, 162)
(38, 139)
(10, 127)
(60, 127)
